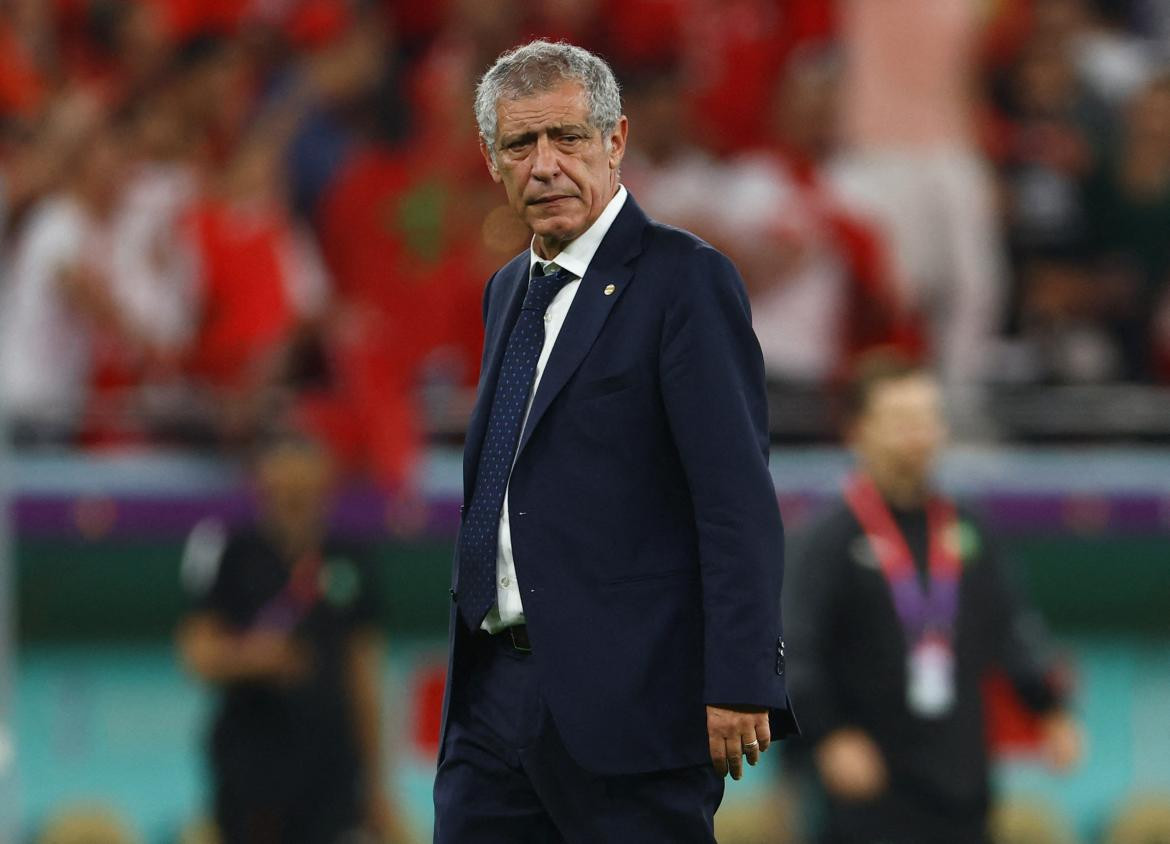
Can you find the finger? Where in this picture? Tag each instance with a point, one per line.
(718, 755)
(751, 747)
(734, 758)
(764, 732)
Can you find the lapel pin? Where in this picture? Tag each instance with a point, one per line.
(609, 289)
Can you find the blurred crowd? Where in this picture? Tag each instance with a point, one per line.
(216, 213)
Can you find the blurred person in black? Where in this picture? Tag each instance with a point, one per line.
(285, 623)
(899, 604)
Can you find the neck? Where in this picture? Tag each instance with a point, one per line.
(548, 248)
(901, 491)
(294, 542)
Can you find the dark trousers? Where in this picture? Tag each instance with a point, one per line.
(506, 777)
(893, 819)
(326, 814)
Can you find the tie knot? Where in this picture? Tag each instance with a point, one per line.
(542, 289)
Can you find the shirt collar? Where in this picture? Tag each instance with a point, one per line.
(579, 253)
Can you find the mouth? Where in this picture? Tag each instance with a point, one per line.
(549, 200)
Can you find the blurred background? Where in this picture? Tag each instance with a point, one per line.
(221, 215)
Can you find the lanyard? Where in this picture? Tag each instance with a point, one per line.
(923, 611)
(285, 610)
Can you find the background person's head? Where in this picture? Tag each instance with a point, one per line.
(655, 100)
(806, 104)
(294, 481)
(101, 168)
(552, 132)
(896, 426)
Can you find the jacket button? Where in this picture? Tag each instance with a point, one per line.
(452, 591)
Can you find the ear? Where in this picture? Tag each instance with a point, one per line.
(487, 158)
(617, 142)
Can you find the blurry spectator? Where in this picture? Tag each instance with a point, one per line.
(58, 299)
(214, 93)
(1129, 201)
(734, 52)
(1056, 132)
(154, 269)
(897, 604)
(285, 623)
(910, 69)
(1063, 324)
(411, 234)
(672, 177)
(819, 278)
(126, 50)
(354, 84)
(260, 281)
(33, 153)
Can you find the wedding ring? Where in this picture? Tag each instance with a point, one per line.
(751, 744)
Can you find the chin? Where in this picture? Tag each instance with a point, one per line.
(557, 227)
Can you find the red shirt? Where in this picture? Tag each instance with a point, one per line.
(246, 308)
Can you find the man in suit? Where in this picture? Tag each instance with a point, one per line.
(616, 638)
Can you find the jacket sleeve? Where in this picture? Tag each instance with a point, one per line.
(1020, 639)
(712, 377)
(811, 603)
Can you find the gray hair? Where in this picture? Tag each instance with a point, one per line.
(540, 66)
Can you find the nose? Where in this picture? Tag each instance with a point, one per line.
(544, 160)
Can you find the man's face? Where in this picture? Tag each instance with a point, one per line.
(295, 485)
(902, 430)
(556, 167)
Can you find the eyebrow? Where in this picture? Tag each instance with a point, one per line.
(551, 131)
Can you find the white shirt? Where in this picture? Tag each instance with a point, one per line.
(575, 258)
(45, 345)
(797, 312)
(154, 268)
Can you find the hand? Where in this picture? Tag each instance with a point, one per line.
(1061, 743)
(851, 765)
(276, 656)
(733, 733)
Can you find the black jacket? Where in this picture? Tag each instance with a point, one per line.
(847, 657)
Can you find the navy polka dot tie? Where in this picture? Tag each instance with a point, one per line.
(479, 535)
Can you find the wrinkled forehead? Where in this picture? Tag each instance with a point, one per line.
(564, 104)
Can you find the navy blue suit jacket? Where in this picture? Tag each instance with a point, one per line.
(647, 538)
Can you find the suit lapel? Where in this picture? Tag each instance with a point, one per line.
(613, 264)
(515, 282)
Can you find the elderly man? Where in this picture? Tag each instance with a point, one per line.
(616, 639)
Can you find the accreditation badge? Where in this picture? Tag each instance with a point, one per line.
(930, 677)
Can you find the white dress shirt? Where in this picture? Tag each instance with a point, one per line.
(575, 258)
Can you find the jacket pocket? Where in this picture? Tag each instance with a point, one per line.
(607, 386)
(644, 577)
